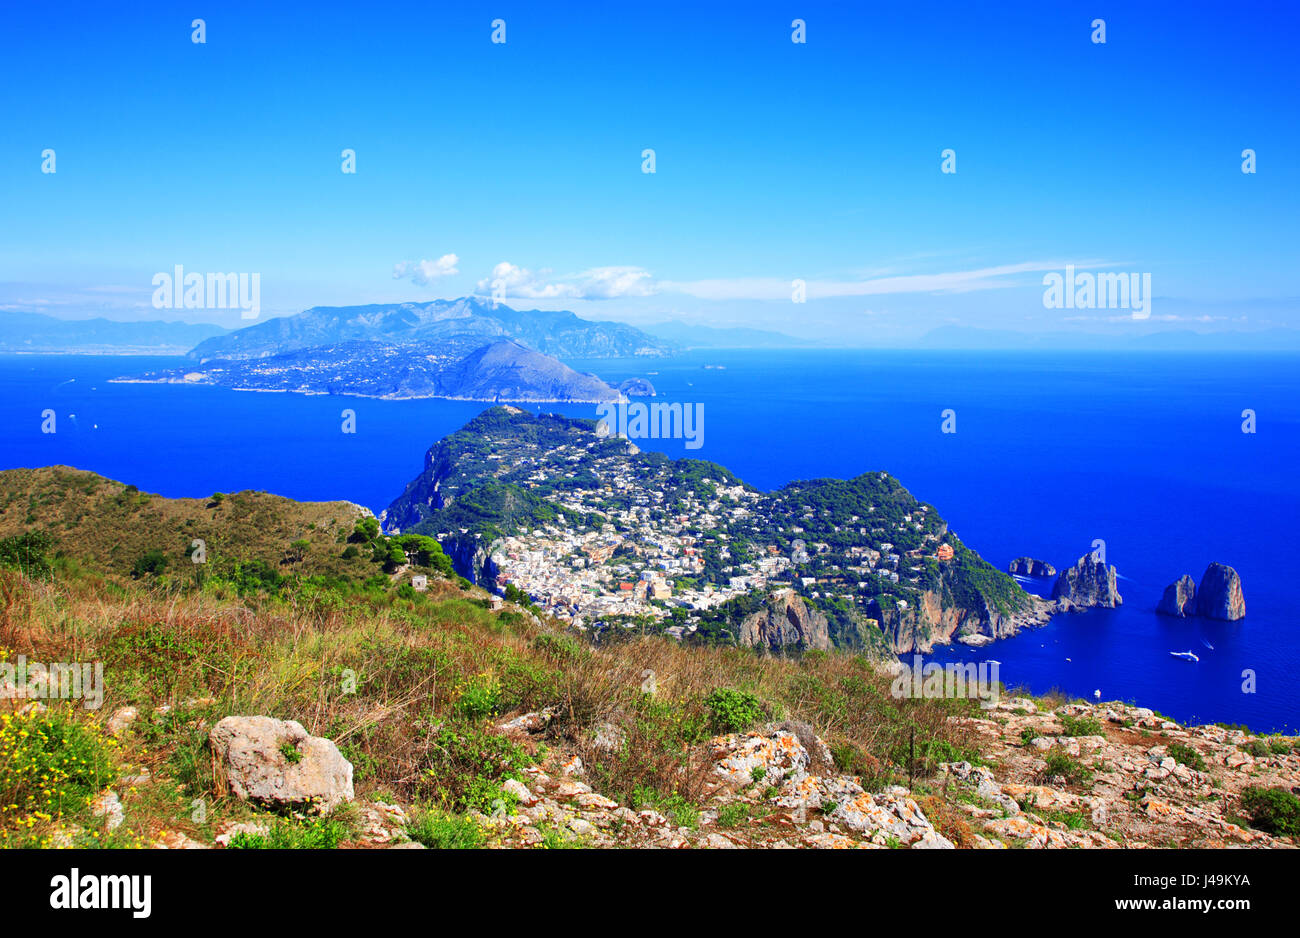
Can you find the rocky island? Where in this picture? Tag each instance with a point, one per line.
(1219, 596)
(603, 536)
(1088, 584)
(1028, 566)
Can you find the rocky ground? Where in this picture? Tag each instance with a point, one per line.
(1119, 786)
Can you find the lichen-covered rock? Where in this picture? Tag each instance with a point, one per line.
(279, 764)
(890, 814)
(771, 757)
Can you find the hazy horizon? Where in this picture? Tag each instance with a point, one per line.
(910, 168)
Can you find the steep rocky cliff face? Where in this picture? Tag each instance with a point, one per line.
(932, 622)
(1179, 598)
(472, 559)
(1086, 585)
(1219, 596)
(786, 621)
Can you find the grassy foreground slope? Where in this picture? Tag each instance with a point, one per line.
(407, 684)
(417, 690)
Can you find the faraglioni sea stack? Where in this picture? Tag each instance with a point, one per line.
(1179, 598)
(1028, 566)
(1218, 597)
(1088, 584)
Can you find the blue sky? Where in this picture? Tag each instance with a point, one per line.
(774, 160)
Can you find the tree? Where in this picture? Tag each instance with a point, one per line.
(27, 552)
(366, 530)
(152, 562)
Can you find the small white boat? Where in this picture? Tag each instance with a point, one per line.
(1097, 694)
(1187, 655)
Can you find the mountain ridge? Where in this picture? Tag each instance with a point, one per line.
(38, 333)
(465, 320)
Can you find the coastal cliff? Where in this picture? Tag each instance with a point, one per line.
(786, 621)
(936, 622)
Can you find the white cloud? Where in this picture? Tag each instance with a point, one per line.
(961, 281)
(598, 283)
(423, 272)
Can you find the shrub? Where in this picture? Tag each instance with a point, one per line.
(1257, 748)
(1081, 726)
(733, 814)
(441, 831)
(323, 833)
(555, 838)
(1060, 763)
(467, 766)
(732, 711)
(1186, 755)
(681, 810)
(51, 765)
(160, 656)
(151, 562)
(27, 552)
(480, 696)
(1273, 810)
(366, 530)
(1073, 820)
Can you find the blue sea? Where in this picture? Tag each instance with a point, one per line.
(1052, 451)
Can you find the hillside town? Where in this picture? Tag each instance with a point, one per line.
(644, 560)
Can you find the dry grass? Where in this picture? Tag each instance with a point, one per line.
(404, 685)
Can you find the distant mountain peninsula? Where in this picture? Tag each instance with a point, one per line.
(465, 349)
(36, 333)
(464, 323)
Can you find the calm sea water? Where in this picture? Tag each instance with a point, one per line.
(1052, 451)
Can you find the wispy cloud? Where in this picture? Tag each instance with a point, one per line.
(960, 281)
(603, 283)
(598, 283)
(422, 273)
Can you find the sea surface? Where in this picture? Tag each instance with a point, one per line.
(1052, 451)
